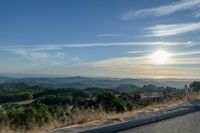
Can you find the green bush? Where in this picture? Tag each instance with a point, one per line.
(195, 86)
(111, 102)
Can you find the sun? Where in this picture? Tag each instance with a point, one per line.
(161, 57)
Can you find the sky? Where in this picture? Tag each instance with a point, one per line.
(101, 38)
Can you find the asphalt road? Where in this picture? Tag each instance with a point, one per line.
(189, 123)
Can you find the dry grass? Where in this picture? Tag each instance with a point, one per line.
(99, 118)
(87, 118)
(192, 96)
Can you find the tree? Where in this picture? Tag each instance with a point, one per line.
(137, 97)
(2, 114)
(111, 102)
(195, 86)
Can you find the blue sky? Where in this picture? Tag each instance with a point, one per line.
(100, 38)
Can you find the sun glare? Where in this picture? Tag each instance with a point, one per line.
(161, 57)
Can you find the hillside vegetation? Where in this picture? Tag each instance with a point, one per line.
(70, 106)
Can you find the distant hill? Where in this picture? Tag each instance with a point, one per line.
(127, 88)
(4, 79)
(12, 85)
(84, 82)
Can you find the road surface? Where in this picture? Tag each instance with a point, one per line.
(189, 123)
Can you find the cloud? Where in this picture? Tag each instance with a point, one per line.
(172, 29)
(59, 55)
(31, 55)
(50, 54)
(197, 52)
(164, 10)
(178, 58)
(75, 59)
(137, 52)
(48, 47)
(39, 56)
(115, 62)
(109, 35)
(142, 66)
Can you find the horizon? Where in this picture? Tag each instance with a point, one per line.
(114, 39)
(25, 76)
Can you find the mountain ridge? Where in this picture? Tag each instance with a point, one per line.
(85, 82)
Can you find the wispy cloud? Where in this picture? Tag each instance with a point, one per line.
(75, 59)
(178, 58)
(31, 55)
(109, 35)
(137, 52)
(197, 14)
(172, 29)
(115, 62)
(197, 52)
(60, 55)
(164, 10)
(39, 56)
(48, 47)
(143, 66)
(50, 53)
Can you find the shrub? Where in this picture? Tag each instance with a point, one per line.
(195, 86)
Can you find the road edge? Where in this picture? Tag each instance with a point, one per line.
(139, 122)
